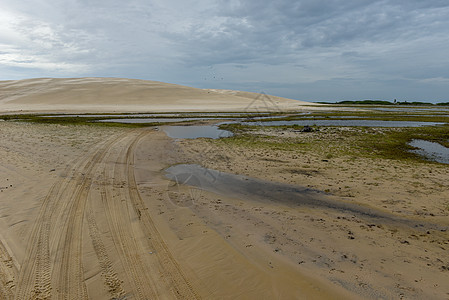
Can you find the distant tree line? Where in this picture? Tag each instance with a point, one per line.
(384, 102)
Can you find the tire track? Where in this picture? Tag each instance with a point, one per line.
(35, 278)
(172, 272)
(53, 265)
(35, 274)
(71, 272)
(70, 275)
(121, 231)
(8, 273)
(110, 277)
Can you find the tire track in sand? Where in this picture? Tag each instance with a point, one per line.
(110, 278)
(53, 266)
(35, 278)
(115, 202)
(71, 282)
(8, 272)
(35, 272)
(172, 272)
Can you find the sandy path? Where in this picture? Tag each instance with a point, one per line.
(59, 220)
(92, 221)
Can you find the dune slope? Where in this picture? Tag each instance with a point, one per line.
(117, 94)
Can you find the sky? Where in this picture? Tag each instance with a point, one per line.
(312, 50)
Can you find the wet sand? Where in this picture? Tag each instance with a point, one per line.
(403, 257)
(86, 212)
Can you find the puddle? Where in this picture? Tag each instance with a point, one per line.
(410, 109)
(153, 120)
(161, 115)
(139, 119)
(246, 188)
(114, 116)
(193, 132)
(431, 150)
(363, 123)
(249, 119)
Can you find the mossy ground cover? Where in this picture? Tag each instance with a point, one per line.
(92, 119)
(431, 116)
(328, 142)
(391, 143)
(68, 120)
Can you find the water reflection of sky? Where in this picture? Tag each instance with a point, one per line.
(364, 123)
(193, 132)
(152, 120)
(431, 150)
(260, 120)
(410, 109)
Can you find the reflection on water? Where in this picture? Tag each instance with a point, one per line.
(193, 132)
(112, 116)
(140, 120)
(364, 123)
(410, 109)
(258, 119)
(431, 150)
(247, 188)
(152, 120)
(159, 115)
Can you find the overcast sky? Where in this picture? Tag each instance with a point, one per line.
(312, 50)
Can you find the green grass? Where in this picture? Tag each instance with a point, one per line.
(86, 119)
(431, 116)
(394, 143)
(90, 121)
(332, 142)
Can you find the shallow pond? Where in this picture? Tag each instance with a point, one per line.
(153, 120)
(431, 150)
(193, 132)
(410, 109)
(160, 115)
(114, 116)
(138, 119)
(364, 123)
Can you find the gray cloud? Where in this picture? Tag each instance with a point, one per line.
(308, 49)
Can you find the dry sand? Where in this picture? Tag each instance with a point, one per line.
(373, 258)
(86, 212)
(131, 95)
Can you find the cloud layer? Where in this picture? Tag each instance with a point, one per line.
(310, 50)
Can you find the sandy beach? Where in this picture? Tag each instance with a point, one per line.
(87, 212)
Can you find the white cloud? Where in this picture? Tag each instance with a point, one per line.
(35, 44)
(281, 43)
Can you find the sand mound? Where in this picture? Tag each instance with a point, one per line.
(117, 94)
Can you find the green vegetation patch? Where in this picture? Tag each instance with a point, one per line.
(92, 119)
(385, 102)
(70, 120)
(394, 143)
(330, 142)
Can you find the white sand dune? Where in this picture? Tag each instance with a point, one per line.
(117, 94)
